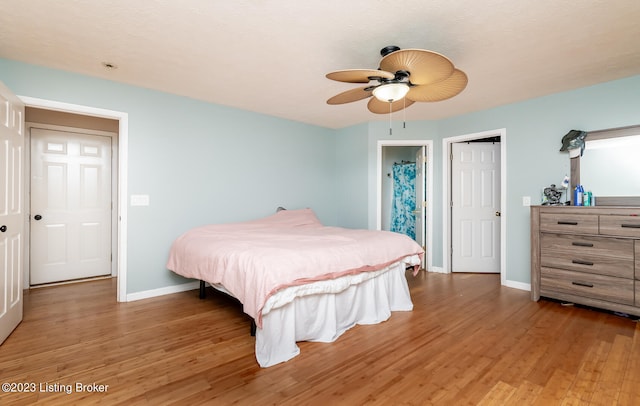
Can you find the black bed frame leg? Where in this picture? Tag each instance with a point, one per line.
(203, 293)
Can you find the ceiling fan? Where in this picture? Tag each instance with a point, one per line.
(405, 76)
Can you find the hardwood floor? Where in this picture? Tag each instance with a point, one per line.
(467, 341)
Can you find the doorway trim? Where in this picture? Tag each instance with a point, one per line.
(123, 147)
(113, 193)
(429, 179)
(446, 196)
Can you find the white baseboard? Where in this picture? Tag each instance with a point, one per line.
(437, 269)
(146, 294)
(509, 284)
(517, 285)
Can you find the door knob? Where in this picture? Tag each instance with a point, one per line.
(3, 228)
(37, 217)
(498, 214)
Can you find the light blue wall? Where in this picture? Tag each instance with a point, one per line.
(204, 163)
(534, 129)
(199, 163)
(350, 177)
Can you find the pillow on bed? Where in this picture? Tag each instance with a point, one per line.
(293, 218)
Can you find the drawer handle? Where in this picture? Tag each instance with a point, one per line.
(582, 244)
(577, 261)
(568, 223)
(586, 285)
(630, 225)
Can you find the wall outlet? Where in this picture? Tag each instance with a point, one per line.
(139, 200)
(526, 200)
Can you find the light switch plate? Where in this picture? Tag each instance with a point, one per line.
(526, 200)
(139, 200)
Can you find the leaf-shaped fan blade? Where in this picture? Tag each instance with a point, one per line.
(350, 95)
(439, 91)
(359, 75)
(424, 66)
(382, 107)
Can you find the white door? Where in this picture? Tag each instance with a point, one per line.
(421, 201)
(70, 206)
(11, 210)
(475, 207)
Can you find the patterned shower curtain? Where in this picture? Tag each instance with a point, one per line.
(403, 220)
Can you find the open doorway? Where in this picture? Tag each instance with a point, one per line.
(72, 196)
(404, 190)
(119, 236)
(474, 202)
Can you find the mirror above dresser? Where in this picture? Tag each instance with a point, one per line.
(610, 166)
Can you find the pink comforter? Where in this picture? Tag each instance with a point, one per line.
(254, 259)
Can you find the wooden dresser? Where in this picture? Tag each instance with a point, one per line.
(587, 255)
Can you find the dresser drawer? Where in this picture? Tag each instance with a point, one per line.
(569, 223)
(608, 288)
(624, 226)
(637, 249)
(606, 256)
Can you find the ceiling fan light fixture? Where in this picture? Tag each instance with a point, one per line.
(390, 92)
(404, 76)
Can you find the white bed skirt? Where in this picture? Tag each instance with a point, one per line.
(322, 311)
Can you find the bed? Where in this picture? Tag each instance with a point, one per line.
(298, 279)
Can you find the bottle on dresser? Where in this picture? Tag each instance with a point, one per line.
(578, 195)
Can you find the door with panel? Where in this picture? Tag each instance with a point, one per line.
(70, 206)
(475, 207)
(421, 201)
(12, 209)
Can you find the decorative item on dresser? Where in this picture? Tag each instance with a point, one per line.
(587, 255)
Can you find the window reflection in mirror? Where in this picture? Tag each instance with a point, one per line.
(611, 166)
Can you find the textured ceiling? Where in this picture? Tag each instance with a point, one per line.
(271, 56)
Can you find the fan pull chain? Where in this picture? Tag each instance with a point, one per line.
(390, 111)
(404, 112)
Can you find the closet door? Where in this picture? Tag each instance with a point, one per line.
(70, 205)
(12, 209)
(421, 200)
(475, 207)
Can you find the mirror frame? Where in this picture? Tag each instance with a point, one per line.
(575, 166)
